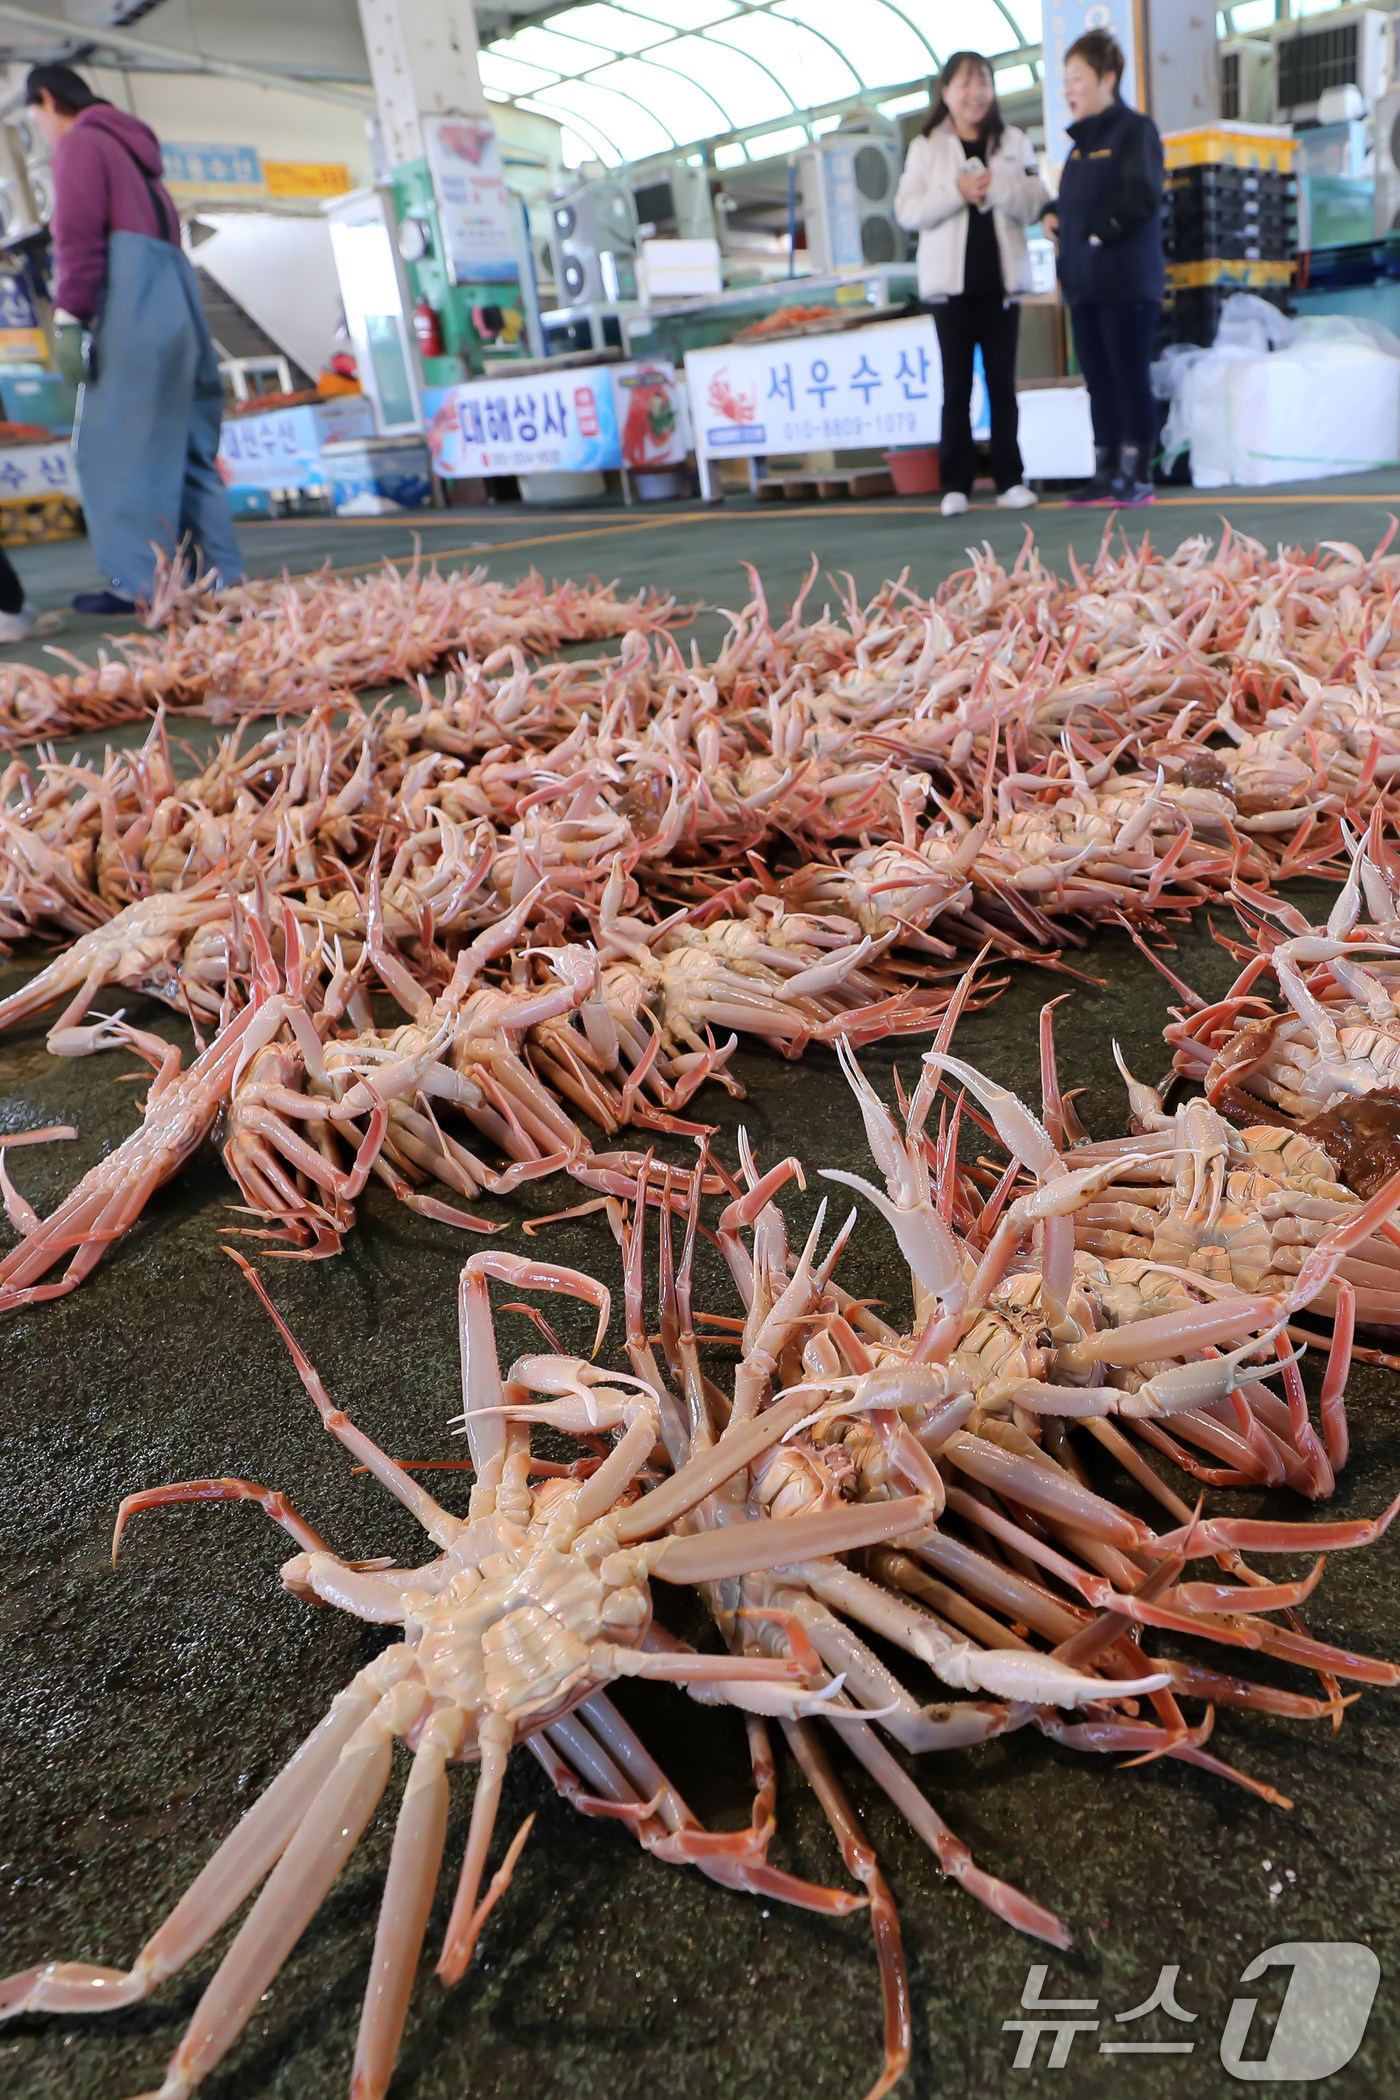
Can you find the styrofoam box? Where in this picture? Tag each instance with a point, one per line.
(680, 270)
(1056, 435)
(373, 475)
(1293, 415)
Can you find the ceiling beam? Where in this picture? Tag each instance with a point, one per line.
(118, 42)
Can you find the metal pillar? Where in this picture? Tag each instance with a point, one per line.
(1180, 63)
(422, 60)
(422, 57)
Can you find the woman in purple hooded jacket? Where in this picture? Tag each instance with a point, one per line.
(130, 328)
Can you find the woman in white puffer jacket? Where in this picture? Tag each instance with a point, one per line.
(970, 189)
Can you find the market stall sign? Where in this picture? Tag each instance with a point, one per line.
(21, 337)
(306, 178)
(578, 421)
(231, 173)
(282, 450)
(867, 386)
(475, 210)
(37, 470)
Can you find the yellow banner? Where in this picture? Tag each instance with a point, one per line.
(306, 178)
(24, 345)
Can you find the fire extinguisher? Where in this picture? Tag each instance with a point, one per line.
(427, 326)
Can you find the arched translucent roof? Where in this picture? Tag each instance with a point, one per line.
(636, 80)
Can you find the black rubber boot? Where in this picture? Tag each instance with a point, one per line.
(1096, 490)
(1128, 489)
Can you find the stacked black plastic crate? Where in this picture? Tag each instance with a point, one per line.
(1225, 229)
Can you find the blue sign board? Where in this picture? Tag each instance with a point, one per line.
(1065, 22)
(282, 449)
(212, 167)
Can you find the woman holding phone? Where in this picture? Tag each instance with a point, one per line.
(970, 189)
(1107, 225)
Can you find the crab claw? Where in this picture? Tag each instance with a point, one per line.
(1039, 1680)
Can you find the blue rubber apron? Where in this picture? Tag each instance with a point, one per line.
(148, 421)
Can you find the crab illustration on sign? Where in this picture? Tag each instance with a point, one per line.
(649, 431)
(739, 408)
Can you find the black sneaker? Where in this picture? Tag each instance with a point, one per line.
(105, 605)
(1128, 490)
(1098, 488)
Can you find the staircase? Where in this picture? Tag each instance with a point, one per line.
(236, 333)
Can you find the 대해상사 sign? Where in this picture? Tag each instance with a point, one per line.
(475, 208)
(576, 421)
(868, 386)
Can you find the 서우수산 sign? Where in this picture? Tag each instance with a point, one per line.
(37, 470)
(579, 421)
(869, 386)
(475, 209)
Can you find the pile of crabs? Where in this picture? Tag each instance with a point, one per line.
(288, 643)
(569, 878)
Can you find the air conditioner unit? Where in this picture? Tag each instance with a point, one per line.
(41, 191)
(593, 245)
(33, 146)
(1247, 80)
(675, 202)
(21, 214)
(33, 151)
(1386, 117)
(847, 183)
(1355, 52)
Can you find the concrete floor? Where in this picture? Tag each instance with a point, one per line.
(141, 1710)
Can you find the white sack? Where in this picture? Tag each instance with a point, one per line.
(1319, 407)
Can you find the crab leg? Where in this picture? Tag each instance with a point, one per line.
(272, 1501)
(496, 1736)
(619, 1768)
(774, 1542)
(482, 1393)
(873, 1686)
(611, 1796)
(248, 1853)
(1333, 1402)
(951, 1853)
(862, 1866)
(1047, 1493)
(1261, 1535)
(1023, 1674)
(295, 1890)
(441, 1526)
(709, 1469)
(419, 1838)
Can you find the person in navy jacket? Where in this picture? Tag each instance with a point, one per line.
(1107, 223)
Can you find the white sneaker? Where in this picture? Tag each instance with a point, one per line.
(1018, 498)
(14, 627)
(953, 504)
